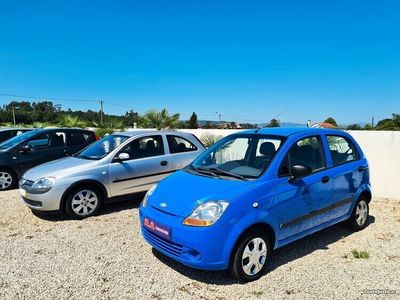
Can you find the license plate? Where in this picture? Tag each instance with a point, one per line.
(22, 192)
(157, 228)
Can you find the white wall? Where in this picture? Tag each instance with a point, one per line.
(382, 149)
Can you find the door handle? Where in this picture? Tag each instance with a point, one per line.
(325, 179)
(164, 163)
(360, 169)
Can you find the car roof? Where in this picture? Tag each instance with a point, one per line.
(57, 129)
(137, 132)
(14, 128)
(287, 131)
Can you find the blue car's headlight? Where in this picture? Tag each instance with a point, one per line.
(42, 185)
(148, 194)
(206, 213)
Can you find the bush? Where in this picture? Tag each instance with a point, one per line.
(209, 139)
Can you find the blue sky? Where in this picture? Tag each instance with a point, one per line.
(248, 60)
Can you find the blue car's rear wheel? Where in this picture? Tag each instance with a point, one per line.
(250, 256)
(359, 216)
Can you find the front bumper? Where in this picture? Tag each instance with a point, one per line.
(49, 201)
(196, 247)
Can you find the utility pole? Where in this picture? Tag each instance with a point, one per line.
(219, 117)
(13, 112)
(101, 111)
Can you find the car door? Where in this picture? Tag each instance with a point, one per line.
(302, 204)
(42, 148)
(182, 151)
(147, 164)
(347, 173)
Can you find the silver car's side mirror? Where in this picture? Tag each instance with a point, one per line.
(123, 156)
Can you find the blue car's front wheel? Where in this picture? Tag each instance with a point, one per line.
(250, 256)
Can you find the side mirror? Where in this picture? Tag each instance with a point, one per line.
(299, 171)
(25, 148)
(123, 156)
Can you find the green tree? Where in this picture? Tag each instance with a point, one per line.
(389, 124)
(72, 121)
(353, 127)
(273, 123)
(160, 119)
(193, 124)
(332, 121)
(368, 127)
(132, 117)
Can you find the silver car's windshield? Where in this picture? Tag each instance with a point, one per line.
(238, 156)
(102, 147)
(17, 139)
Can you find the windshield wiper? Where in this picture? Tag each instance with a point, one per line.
(203, 171)
(226, 173)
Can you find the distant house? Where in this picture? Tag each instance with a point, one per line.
(323, 125)
(230, 125)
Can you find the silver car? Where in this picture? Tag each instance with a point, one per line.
(118, 165)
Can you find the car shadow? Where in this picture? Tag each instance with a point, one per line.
(108, 208)
(291, 252)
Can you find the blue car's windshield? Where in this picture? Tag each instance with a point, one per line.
(17, 139)
(102, 147)
(241, 156)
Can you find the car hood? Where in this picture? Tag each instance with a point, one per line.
(181, 192)
(59, 168)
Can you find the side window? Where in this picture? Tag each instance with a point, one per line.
(178, 144)
(48, 140)
(342, 150)
(57, 139)
(145, 147)
(4, 136)
(307, 152)
(78, 138)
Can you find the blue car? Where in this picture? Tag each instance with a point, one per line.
(253, 192)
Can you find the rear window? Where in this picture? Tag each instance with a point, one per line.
(78, 138)
(342, 149)
(178, 144)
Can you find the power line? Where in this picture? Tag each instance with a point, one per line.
(48, 98)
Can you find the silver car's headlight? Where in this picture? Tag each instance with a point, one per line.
(206, 213)
(42, 185)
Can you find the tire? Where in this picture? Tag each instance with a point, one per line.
(359, 216)
(8, 179)
(245, 266)
(83, 202)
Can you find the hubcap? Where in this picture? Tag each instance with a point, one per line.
(254, 256)
(361, 212)
(5, 180)
(84, 202)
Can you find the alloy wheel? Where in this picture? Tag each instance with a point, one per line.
(5, 180)
(84, 202)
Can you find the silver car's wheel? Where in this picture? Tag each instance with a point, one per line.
(361, 213)
(84, 203)
(6, 180)
(254, 256)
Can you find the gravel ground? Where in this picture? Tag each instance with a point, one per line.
(105, 257)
